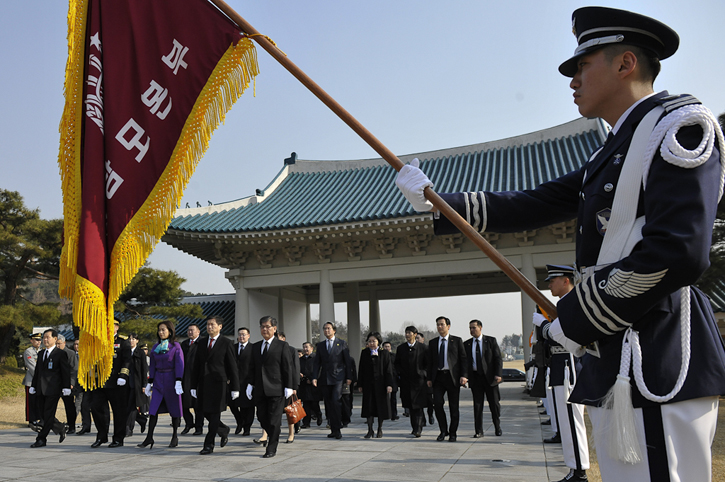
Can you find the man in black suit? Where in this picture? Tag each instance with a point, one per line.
(447, 373)
(69, 402)
(138, 402)
(50, 380)
(387, 346)
(485, 368)
(243, 408)
(411, 364)
(215, 367)
(332, 367)
(270, 380)
(191, 420)
(115, 391)
(308, 393)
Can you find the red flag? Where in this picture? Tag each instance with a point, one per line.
(147, 82)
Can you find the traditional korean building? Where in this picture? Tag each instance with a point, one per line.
(340, 231)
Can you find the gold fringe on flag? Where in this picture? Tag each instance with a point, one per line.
(92, 312)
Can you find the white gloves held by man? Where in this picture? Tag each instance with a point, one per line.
(177, 387)
(121, 382)
(557, 334)
(249, 391)
(147, 389)
(193, 392)
(66, 392)
(412, 182)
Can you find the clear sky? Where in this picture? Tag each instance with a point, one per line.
(419, 74)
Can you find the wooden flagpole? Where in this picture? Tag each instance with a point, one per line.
(509, 269)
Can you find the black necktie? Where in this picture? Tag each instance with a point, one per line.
(264, 349)
(609, 137)
(478, 356)
(442, 354)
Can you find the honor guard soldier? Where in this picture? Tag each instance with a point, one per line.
(645, 204)
(115, 391)
(30, 358)
(571, 430)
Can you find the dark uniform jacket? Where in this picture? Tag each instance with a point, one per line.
(52, 375)
(492, 364)
(140, 372)
(189, 350)
(457, 363)
(121, 362)
(642, 289)
(213, 370)
(411, 365)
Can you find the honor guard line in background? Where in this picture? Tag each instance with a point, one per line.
(509, 269)
(152, 96)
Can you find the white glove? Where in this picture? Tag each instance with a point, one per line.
(557, 334)
(31, 390)
(249, 391)
(193, 393)
(177, 387)
(412, 182)
(66, 392)
(287, 392)
(148, 388)
(235, 395)
(539, 319)
(120, 382)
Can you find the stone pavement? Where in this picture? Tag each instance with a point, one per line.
(518, 455)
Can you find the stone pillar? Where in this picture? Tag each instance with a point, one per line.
(374, 312)
(280, 310)
(241, 299)
(309, 324)
(527, 304)
(327, 300)
(353, 320)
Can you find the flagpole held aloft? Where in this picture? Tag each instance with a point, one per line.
(504, 264)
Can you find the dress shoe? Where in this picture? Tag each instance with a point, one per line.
(369, 434)
(70, 431)
(417, 434)
(206, 451)
(83, 430)
(186, 430)
(174, 441)
(198, 432)
(478, 435)
(452, 438)
(225, 438)
(237, 430)
(441, 437)
(38, 443)
(430, 419)
(305, 426)
(547, 422)
(297, 429)
(146, 443)
(98, 443)
(143, 425)
(575, 476)
(263, 443)
(290, 440)
(396, 418)
(246, 433)
(129, 433)
(269, 455)
(319, 421)
(556, 439)
(498, 432)
(115, 444)
(63, 431)
(380, 433)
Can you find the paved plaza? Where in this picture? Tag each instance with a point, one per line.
(518, 455)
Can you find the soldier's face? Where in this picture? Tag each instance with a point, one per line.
(559, 286)
(595, 84)
(35, 342)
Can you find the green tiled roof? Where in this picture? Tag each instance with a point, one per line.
(315, 193)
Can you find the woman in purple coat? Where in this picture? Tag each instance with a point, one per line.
(166, 371)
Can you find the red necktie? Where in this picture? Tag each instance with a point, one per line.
(211, 342)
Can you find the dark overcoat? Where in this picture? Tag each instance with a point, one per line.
(374, 376)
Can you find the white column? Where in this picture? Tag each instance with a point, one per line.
(327, 300)
(308, 322)
(280, 310)
(374, 312)
(353, 320)
(241, 299)
(527, 304)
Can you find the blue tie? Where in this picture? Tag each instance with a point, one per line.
(442, 354)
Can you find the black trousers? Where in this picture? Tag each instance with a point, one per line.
(243, 415)
(332, 395)
(394, 405)
(86, 409)
(31, 406)
(70, 411)
(46, 408)
(195, 419)
(118, 398)
(312, 409)
(215, 426)
(481, 390)
(269, 413)
(444, 385)
(417, 419)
